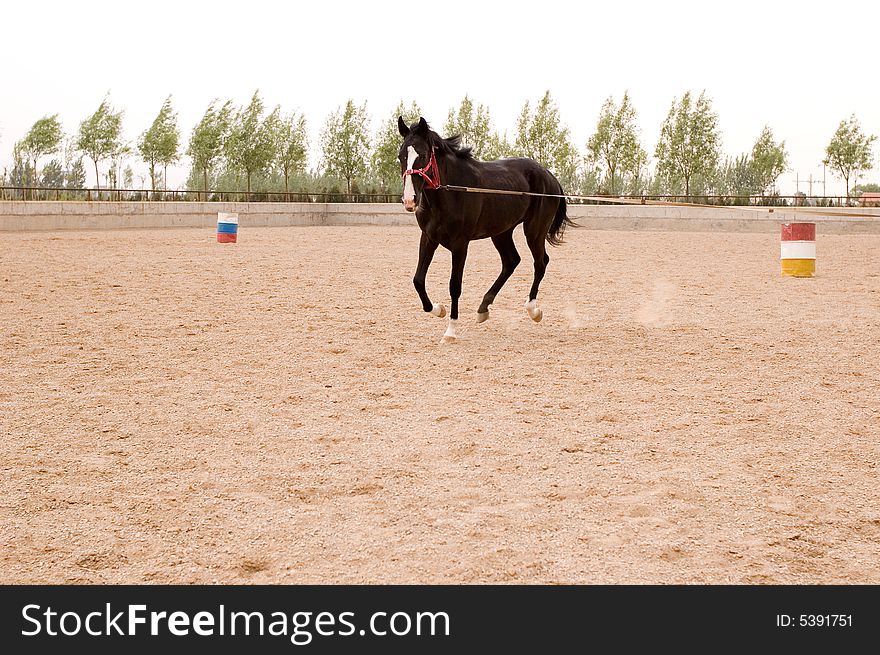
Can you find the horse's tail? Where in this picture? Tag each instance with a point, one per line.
(560, 221)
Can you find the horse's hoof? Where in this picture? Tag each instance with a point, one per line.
(535, 312)
(438, 311)
(449, 339)
(482, 316)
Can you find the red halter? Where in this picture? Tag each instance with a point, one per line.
(431, 173)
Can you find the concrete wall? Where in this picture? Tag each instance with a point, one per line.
(723, 219)
(18, 216)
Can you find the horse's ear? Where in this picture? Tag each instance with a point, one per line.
(402, 127)
(422, 128)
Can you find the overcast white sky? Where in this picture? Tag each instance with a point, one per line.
(799, 67)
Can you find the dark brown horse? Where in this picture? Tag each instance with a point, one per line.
(451, 218)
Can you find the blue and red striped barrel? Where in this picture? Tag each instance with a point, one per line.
(227, 227)
(798, 249)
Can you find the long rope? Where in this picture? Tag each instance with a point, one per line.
(508, 192)
(643, 201)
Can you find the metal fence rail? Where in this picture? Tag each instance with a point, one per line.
(176, 195)
(25, 194)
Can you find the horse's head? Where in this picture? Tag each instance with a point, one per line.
(418, 166)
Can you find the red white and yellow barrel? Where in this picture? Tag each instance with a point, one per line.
(798, 249)
(227, 227)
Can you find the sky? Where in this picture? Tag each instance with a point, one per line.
(799, 67)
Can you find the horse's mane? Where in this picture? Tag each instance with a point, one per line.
(451, 146)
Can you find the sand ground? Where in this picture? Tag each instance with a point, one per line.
(280, 410)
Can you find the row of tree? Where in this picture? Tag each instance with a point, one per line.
(233, 146)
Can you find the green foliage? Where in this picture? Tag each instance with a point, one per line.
(736, 177)
(849, 151)
(689, 146)
(291, 144)
(44, 138)
(75, 178)
(474, 126)
(128, 178)
(859, 189)
(250, 146)
(769, 161)
(589, 182)
(52, 176)
(614, 147)
(161, 143)
(498, 147)
(345, 143)
(541, 136)
(207, 141)
(100, 134)
(384, 165)
(21, 174)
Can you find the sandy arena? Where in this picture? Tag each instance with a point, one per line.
(281, 410)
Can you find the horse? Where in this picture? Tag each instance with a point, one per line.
(524, 192)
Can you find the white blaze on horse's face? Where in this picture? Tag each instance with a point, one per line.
(409, 192)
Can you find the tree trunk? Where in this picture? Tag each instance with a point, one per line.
(97, 179)
(205, 176)
(248, 186)
(165, 178)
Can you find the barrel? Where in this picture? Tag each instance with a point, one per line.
(798, 249)
(227, 227)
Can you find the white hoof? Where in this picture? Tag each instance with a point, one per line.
(482, 316)
(451, 336)
(535, 312)
(438, 310)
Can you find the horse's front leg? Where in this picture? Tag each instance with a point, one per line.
(427, 248)
(459, 255)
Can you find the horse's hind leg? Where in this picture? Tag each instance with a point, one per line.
(535, 239)
(509, 261)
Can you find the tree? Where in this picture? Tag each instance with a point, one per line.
(117, 159)
(737, 176)
(161, 143)
(100, 135)
(206, 144)
(128, 178)
(21, 172)
(75, 177)
(689, 145)
(870, 187)
(614, 147)
(53, 175)
(542, 137)
(473, 125)
(44, 138)
(291, 145)
(497, 147)
(849, 151)
(383, 163)
(345, 143)
(768, 161)
(250, 146)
